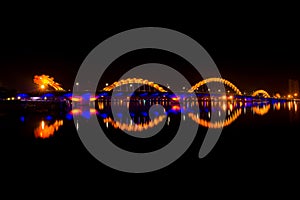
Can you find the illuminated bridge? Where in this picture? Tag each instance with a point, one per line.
(142, 88)
(128, 86)
(231, 104)
(146, 89)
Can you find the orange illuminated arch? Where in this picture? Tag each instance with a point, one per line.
(262, 111)
(219, 80)
(134, 127)
(134, 80)
(266, 94)
(218, 124)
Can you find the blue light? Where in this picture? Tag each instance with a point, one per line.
(22, 119)
(22, 95)
(69, 116)
(144, 94)
(156, 113)
(103, 94)
(172, 96)
(103, 115)
(145, 114)
(174, 110)
(171, 111)
(118, 94)
(49, 118)
(120, 115)
(48, 95)
(68, 95)
(86, 114)
(86, 96)
(155, 94)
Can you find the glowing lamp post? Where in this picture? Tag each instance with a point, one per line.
(77, 86)
(130, 87)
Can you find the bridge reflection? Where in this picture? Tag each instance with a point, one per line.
(140, 120)
(134, 127)
(229, 106)
(47, 129)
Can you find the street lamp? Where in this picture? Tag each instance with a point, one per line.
(130, 87)
(77, 85)
(168, 86)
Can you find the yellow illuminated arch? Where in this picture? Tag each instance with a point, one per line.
(266, 94)
(134, 80)
(219, 80)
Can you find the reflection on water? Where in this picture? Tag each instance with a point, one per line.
(46, 129)
(293, 106)
(140, 120)
(134, 127)
(276, 106)
(227, 112)
(232, 110)
(216, 124)
(261, 110)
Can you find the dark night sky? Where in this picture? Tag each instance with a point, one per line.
(254, 51)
